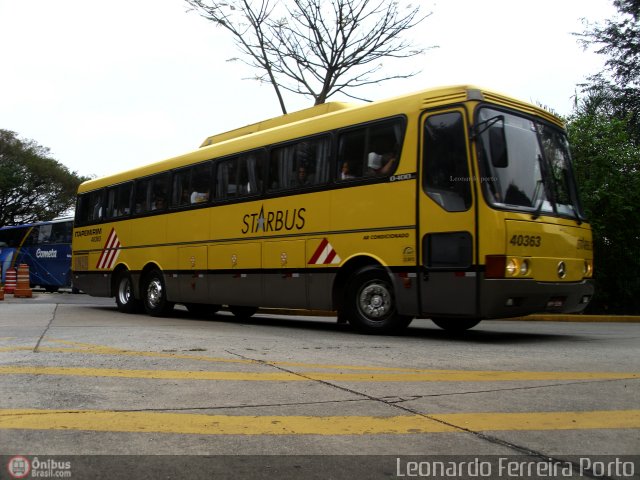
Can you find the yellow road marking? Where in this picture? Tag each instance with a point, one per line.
(199, 424)
(279, 376)
(413, 374)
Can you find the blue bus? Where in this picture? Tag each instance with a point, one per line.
(44, 246)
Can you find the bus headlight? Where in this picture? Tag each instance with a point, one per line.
(587, 269)
(512, 267)
(500, 266)
(524, 267)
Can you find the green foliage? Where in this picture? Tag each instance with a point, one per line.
(607, 164)
(33, 186)
(616, 90)
(605, 134)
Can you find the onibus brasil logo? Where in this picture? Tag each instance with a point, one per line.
(20, 467)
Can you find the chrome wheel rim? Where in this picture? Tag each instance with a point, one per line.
(124, 291)
(374, 301)
(154, 293)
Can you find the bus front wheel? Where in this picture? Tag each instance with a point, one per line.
(456, 325)
(154, 294)
(125, 300)
(370, 304)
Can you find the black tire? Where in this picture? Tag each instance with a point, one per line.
(370, 304)
(154, 294)
(202, 309)
(242, 311)
(125, 299)
(456, 324)
(50, 289)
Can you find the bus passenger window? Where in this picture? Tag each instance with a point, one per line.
(141, 198)
(200, 183)
(89, 208)
(44, 233)
(250, 173)
(61, 232)
(226, 179)
(300, 165)
(181, 194)
(119, 201)
(370, 151)
(446, 177)
(159, 192)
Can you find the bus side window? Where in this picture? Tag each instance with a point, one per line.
(61, 232)
(181, 195)
(119, 200)
(200, 184)
(300, 165)
(90, 207)
(250, 173)
(32, 239)
(141, 197)
(226, 183)
(159, 192)
(351, 152)
(446, 177)
(370, 151)
(44, 233)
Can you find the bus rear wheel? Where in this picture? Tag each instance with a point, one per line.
(370, 304)
(125, 300)
(456, 324)
(154, 294)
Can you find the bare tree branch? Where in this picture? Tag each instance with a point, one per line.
(318, 48)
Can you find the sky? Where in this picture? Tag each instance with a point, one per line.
(108, 86)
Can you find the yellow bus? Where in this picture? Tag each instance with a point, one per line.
(456, 204)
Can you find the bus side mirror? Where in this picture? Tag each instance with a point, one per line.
(498, 146)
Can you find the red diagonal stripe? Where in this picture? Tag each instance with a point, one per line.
(112, 236)
(330, 257)
(108, 261)
(318, 251)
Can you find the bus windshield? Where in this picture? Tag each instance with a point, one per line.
(534, 172)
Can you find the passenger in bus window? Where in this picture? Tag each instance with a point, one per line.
(158, 203)
(97, 210)
(200, 194)
(378, 164)
(302, 178)
(345, 172)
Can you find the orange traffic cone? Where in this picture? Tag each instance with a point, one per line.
(10, 280)
(1, 293)
(23, 289)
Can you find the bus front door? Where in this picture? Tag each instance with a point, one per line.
(446, 217)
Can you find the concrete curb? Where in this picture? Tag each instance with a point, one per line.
(582, 318)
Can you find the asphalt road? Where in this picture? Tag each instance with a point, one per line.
(303, 397)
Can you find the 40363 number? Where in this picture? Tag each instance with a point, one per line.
(526, 241)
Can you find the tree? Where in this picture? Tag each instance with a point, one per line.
(33, 186)
(317, 48)
(607, 164)
(605, 133)
(616, 90)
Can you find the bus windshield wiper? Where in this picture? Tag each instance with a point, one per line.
(536, 212)
(479, 128)
(541, 186)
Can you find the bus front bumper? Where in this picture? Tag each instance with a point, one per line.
(501, 298)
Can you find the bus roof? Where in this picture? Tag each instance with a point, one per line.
(277, 122)
(44, 222)
(267, 131)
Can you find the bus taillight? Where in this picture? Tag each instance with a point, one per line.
(495, 266)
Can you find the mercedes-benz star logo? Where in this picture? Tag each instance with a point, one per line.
(562, 270)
